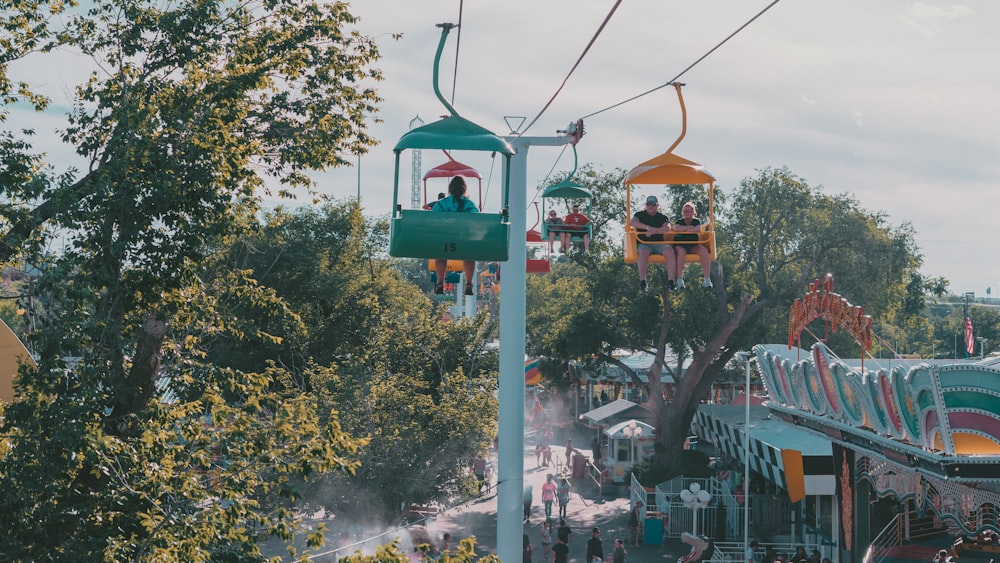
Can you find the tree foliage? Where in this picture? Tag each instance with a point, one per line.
(775, 234)
(371, 347)
(128, 441)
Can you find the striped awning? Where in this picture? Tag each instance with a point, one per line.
(780, 452)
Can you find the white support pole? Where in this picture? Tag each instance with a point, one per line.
(745, 358)
(510, 456)
(471, 300)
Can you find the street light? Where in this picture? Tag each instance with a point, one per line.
(745, 358)
(695, 497)
(633, 432)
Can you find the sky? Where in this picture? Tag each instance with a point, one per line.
(894, 102)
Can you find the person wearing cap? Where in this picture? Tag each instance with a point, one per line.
(595, 550)
(651, 225)
(553, 220)
(686, 242)
(577, 222)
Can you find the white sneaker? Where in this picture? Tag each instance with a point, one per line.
(707, 282)
(680, 283)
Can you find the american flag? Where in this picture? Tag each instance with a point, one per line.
(970, 345)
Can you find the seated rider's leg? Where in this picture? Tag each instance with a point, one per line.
(668, 255)
(680, 256)
(440, 265)
(643, 262)
(706, 260)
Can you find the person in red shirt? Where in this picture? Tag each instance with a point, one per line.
(578, 221)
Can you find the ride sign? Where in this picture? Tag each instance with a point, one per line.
(820, 302)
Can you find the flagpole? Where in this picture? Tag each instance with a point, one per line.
(967, 339)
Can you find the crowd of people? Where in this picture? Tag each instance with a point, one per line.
(559, 553)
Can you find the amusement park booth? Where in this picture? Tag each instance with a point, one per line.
(629, 442)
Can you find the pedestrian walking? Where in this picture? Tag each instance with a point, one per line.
(526, 550)
(595, 549)
(619, 554)
(563, 531)
(595, 450)
(635, 523)
(527, 502)
(562, 494)
(560, 552)
(479, 469)
(548, 495)
(546, 538)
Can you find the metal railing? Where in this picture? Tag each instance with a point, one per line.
(891, 536)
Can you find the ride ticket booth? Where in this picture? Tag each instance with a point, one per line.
(629, 442)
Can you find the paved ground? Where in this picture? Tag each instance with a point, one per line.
(587, 509)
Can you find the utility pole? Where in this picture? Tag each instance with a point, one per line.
(510, 454)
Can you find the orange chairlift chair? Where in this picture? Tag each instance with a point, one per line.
(670, 169)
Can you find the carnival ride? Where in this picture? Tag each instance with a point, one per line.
(538, 257)
(448, 170)
(416, 233)
(671, 170)
(570, 193)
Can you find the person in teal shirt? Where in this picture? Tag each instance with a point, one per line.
(455, 202)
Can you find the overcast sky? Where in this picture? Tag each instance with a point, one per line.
(895, 102)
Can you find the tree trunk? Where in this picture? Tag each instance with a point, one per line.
(673, 418)
(141, 379)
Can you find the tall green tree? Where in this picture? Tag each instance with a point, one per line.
(368, 344)
(776, 235)
(193, 112)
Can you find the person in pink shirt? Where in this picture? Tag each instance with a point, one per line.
(548, 495)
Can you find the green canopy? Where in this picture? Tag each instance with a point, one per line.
(453, 133)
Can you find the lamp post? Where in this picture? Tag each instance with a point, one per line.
(745, 358)
(695, 497)
(633, 432)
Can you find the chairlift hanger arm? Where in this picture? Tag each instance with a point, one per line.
(445, 28)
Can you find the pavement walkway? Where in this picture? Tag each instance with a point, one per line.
(587, 508)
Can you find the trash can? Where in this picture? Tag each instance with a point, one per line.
(579, 469)
(652, 531)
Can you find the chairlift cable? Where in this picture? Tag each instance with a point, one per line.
(692, 65)
(489, 181)
(578, 61)
(458, 41)
(547, 176)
